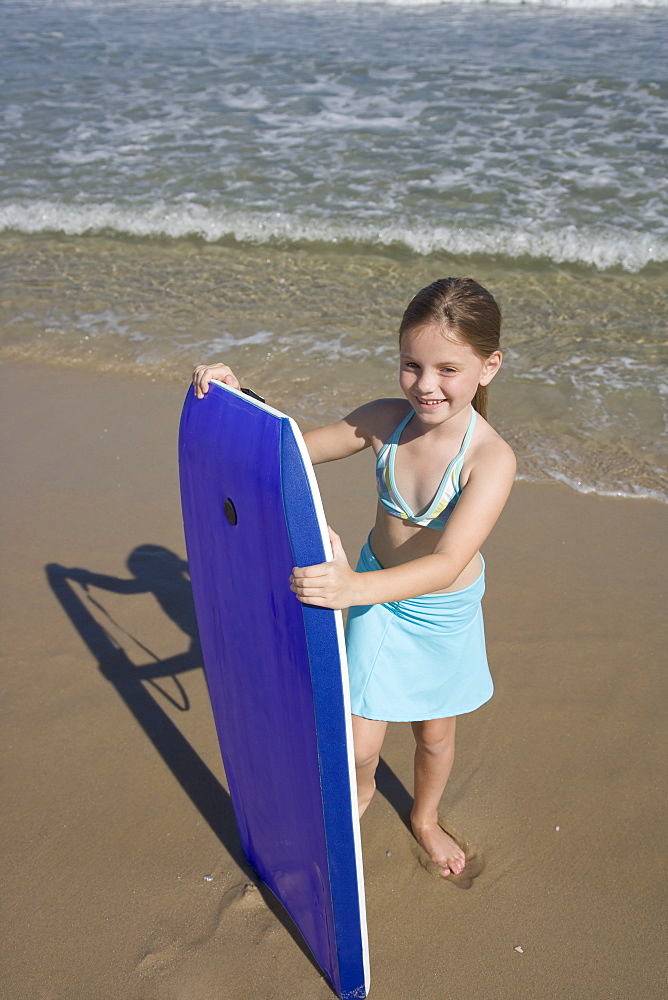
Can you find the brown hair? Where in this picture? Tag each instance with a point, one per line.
(462, 307)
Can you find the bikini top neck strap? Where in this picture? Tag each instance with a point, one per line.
(469, 433)
(396, 434)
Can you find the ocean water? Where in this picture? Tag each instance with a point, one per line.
(269, 182)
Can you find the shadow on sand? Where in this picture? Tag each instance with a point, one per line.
(159, 571)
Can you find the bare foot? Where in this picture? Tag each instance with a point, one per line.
(441, 848)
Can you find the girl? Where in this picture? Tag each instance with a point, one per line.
(414, 636)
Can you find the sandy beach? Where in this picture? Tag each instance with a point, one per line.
(124, 877)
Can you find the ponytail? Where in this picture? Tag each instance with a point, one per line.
(479, 401)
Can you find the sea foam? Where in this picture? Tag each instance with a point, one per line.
(602, 248)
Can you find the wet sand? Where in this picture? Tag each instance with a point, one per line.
(124, 876)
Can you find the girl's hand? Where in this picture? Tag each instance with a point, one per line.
(328, 585)
(204, 373)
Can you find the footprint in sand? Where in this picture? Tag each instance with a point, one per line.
(474, 859)
(243, 900)
(244, 895)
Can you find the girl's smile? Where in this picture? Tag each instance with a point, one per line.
(428, 404)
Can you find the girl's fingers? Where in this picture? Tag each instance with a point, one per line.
(306, 589)
(336, 543)
(200, 381)
(204, 373)
(305, 585)
(300, 573)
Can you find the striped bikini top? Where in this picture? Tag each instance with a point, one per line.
(447, 494)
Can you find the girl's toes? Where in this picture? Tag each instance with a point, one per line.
(457, 864)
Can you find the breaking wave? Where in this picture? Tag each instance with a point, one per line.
(602, 248)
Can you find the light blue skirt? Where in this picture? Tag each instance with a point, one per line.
(422, 658)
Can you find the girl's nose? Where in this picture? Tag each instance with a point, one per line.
(427, 382)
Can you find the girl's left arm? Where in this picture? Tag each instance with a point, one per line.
(336, 585)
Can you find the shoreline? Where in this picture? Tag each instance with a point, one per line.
(124, 873)
(525, 442)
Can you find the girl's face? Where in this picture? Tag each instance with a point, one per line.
(439, 373)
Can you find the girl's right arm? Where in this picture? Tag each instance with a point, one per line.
(345, 437)
(325, 444)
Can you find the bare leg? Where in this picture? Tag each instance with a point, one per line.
(368, 736)
(434, 756)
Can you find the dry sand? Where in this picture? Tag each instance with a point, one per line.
(124, 877)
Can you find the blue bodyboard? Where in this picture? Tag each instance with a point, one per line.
(275, 668)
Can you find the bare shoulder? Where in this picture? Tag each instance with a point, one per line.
(491, 453)
(367, 426)
(497, 445)
(378, 419)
